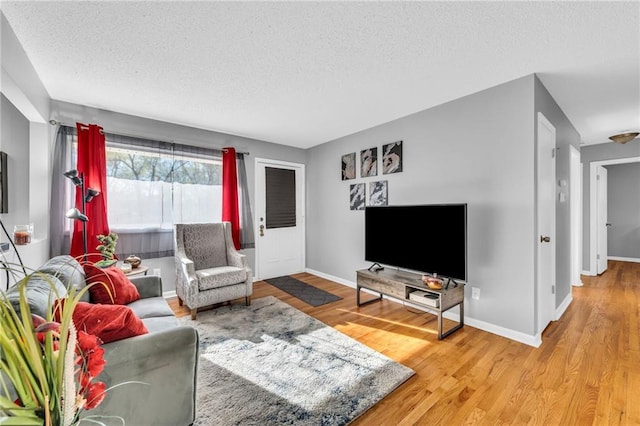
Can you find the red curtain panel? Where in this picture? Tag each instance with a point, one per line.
(92, 163)
(230, 211)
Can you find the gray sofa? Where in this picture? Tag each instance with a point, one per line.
(165, 359)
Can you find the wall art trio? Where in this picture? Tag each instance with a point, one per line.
(391, 162)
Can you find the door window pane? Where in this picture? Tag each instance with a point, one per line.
(280, 197)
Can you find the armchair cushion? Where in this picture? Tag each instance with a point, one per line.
(205, 246)
(120, 290)
(221, 276)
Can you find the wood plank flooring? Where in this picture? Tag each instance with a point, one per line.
(587, 371)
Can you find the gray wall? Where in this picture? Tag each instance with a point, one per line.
(624, 210)
(589, 154)
(479, 150)
(14, 140)
(26, 101)
(566, 135)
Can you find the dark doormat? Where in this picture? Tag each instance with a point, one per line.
(303, 291)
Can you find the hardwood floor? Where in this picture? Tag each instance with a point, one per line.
(587, 371)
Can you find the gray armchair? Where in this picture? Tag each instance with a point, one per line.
(209, 270)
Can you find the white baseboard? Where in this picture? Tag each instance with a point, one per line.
(589, 273)
(527, 339)
(624, 259)
(169, 294)
(331, 278)
(563, 306)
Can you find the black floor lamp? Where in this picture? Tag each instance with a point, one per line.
(74, 213)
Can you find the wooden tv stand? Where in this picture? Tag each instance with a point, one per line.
(400, 284)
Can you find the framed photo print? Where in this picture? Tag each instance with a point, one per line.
(349, 166)
(392, 158)
(357, 196)
(378, 195)
(369, 162)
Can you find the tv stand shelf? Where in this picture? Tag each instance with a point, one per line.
(400, 284)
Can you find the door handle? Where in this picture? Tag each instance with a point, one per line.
(608, 224)
(545, 239)
(262, 230)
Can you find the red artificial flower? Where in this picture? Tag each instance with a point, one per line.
(37, 320)
(87, 341)
(91, 355)
(95, 395)
(43, 327)
(95, 362)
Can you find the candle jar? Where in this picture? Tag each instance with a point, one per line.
(22, 234)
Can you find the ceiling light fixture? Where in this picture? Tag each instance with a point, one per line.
(624, 137)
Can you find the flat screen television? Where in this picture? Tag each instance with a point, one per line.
(423, 238)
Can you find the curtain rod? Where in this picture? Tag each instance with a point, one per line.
(59, 123)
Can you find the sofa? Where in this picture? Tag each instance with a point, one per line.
(165, 359)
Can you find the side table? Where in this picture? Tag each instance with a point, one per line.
(138, 271)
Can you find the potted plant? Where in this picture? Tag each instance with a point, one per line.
(51, 366)
(107, 248)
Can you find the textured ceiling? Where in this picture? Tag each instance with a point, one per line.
(305, 73)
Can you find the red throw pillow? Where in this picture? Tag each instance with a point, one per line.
(120, 288)
(108, 322)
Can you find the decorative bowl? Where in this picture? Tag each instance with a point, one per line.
(433, 282)
(133, 260)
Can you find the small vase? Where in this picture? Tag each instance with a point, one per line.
(133, 260)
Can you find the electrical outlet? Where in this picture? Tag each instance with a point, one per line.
(156, 272)
(475, 293)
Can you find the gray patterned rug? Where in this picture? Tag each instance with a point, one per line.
(314, 296)
(270, 364)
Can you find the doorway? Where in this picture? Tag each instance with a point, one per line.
(602, 183)
(280, 224)
(575, 206)
(546, 221)
(593, 209)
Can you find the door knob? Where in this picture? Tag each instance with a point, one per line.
(262, 230)
(545, 239)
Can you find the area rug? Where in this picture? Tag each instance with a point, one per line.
(314, 296)
(270, 364)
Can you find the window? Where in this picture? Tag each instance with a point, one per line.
(152, 184)
(152, 191)
(280, 197)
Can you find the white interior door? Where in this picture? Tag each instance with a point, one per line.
(575, 206)
(601, 200)
(546, 222)
(280, 233)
